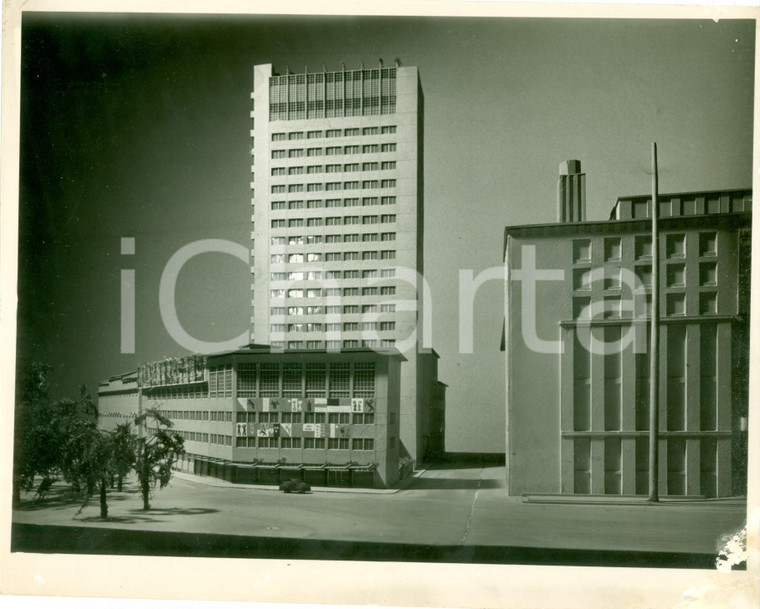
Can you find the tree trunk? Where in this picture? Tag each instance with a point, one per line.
(90, 488)
(145, 488)
(16, 492)
(120, 483)
(103, 499)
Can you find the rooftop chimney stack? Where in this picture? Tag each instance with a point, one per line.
(571, 192)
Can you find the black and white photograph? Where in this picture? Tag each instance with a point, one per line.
(383, 291)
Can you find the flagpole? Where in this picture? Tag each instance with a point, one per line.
(654, 348)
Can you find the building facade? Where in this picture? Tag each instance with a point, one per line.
(337, 212)
(298, 408)
(578, 362)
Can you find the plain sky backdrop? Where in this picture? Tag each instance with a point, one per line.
(138, 126)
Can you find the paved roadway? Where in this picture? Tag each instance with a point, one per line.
(466, 506)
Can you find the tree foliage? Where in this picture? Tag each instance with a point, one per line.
(157, 448)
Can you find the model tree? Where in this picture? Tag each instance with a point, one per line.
(156, 450)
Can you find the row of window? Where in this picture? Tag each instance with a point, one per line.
(386, 290)
(348, 326)
(295, 153)
(332, 203)
(316, 443)
(337, 418)
(675, 247)
(209, 438)
(339, 238)
(331, 133)
(332, 257)
(385, 343)
(333, 310)
(334, 168)
(334, 220)
(318, 275)
(332, 186)
(311, 380)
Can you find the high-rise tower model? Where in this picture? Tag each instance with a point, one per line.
(337, 212)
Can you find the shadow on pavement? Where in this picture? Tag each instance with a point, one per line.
(427, 484)
(88, 540)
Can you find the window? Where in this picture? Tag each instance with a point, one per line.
(295, 258)
(333, 150)
(314, 257)
(350, 255)
(388, 184)
(333, 203)
(295, 188)
(364, 379)
(351, 150)
(278, 171)
(389, 165)
(353, 274)
(277, 258)
(351, 237)
(295, 205)
(332, 168)
(369, 219)
(275, 311)
(333, 238)
(387, 218)
(220, 382)
(332, 310)
(369, 255)
(312, 135)
(279, 154)
(388, 148)
(333, 327)
(350, 309)
(387, 325)
(333, 256)
(314, 443)
(363, 444)
(295, 222)
(276, 293)
(387, 308)
(332, 133)
(388, 201)
(351, 326)
(369, 237)
(369, 291)
(369, 201)
(294, 171)
(370, 184)
(314, 169)
(388, 273)
(332, 186)
(370, 166)
(332, 291)
(350, 344)
(295, 153)
(295, 240)
(278, 205)
(295, 344)
(278, 276)
(370, 308)
(314, 222)
(350, 291)
(351, 220)
(352, 185)
(277, 241)
(352, 202)
(352, 132)
(369, 325)
(388, 237)
(314, 293)
(295, 135)
(279, 137)
(315, 187)
(351, 167)
(340, 380)
(387, 254)
(295, 310)
(292, 376)
(313, 151)
(388, 129)
(388, 290)
(333, 221)
(314, 204)
(290, 443)
(370, 148)
(370, 131)
(297, 293)
(277, 189)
